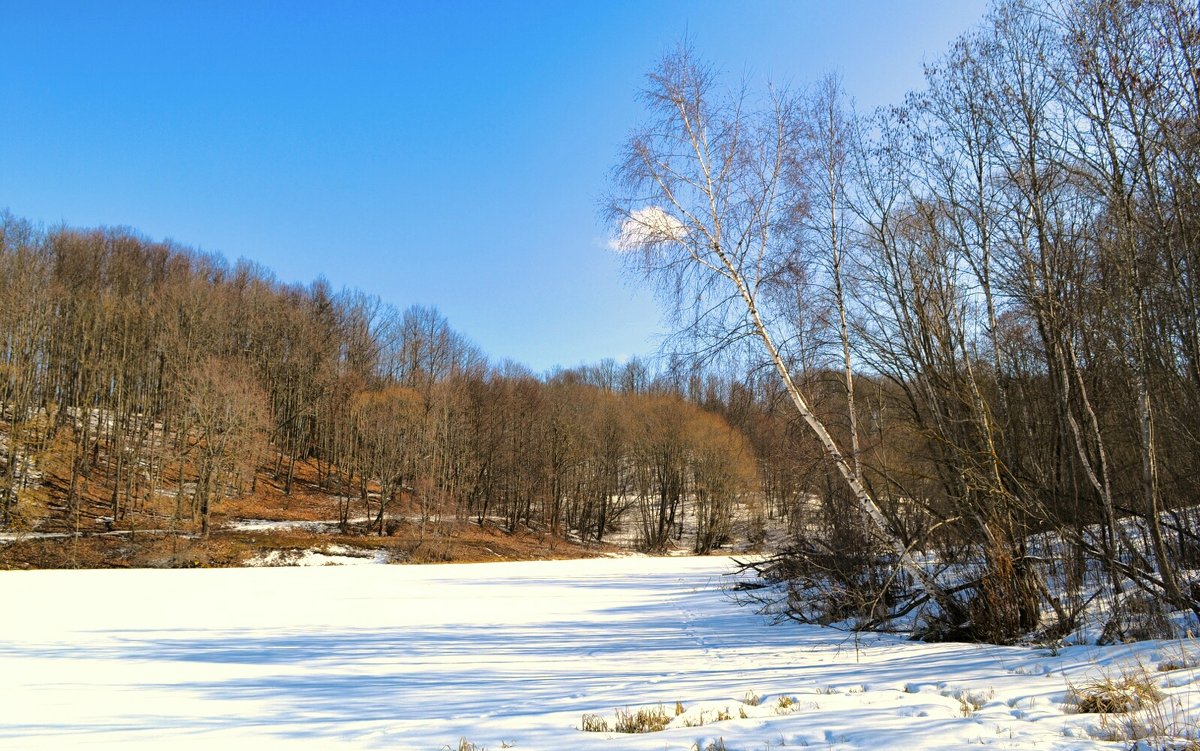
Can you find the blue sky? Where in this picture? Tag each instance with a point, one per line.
(443, 153)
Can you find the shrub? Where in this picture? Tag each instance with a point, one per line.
(1136, 618)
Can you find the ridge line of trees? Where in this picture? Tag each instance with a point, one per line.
(141, 383)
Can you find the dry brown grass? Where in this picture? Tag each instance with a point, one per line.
(1110, 695)
(1133, 709)
(308, 501)
(440, 542)
(141, 550)
(147, 534)
(593, 723)
(645, 720)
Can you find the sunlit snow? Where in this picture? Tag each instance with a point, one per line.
(508, 655)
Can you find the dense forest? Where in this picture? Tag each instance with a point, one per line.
(167, 372)
(964, 328)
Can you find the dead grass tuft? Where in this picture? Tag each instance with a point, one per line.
(719, 715)
(593, 723)
(970, 701)
(1109, 695)
(645, 720)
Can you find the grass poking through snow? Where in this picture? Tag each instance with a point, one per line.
(1109, 695)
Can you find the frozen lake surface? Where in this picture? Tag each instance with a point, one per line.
(508, 655)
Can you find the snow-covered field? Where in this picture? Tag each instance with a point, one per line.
(512, 655)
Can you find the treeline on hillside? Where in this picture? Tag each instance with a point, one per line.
(153, 371)
(1012, 255)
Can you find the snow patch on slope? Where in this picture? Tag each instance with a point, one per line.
(329, 555)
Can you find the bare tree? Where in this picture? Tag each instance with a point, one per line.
(230, 415)
(700, 197)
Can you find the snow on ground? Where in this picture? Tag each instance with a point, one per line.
(329, 555)
(508, 655)
(270, 525)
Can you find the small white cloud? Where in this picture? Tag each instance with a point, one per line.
(648, 227)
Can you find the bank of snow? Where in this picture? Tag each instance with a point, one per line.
(326, 555)
(398, 657)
